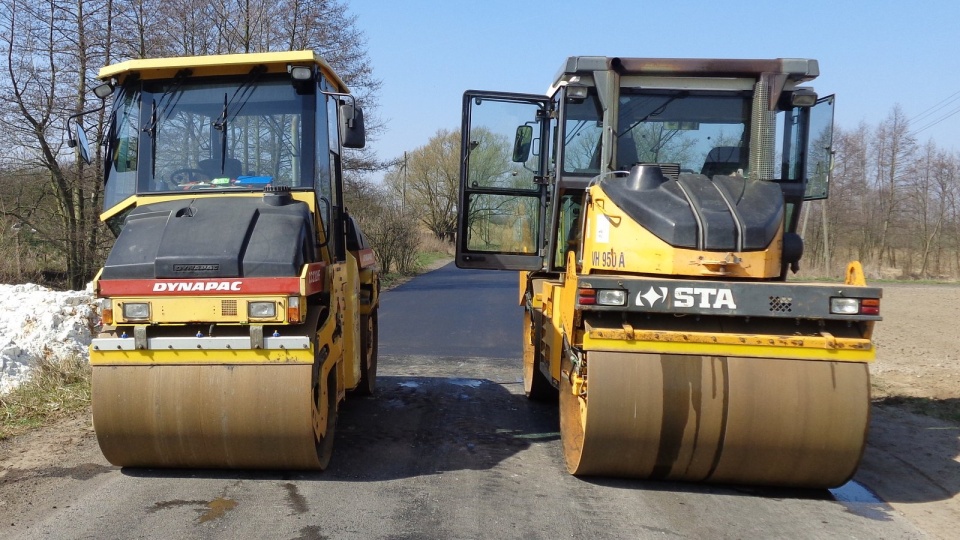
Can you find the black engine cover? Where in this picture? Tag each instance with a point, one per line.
(725, 213)
(213, 238)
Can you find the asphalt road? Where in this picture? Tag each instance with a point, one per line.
(447, 448)
(453, 313)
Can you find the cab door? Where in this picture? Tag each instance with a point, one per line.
(819, 150)
(503, 186)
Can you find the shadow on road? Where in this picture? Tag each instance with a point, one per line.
(911, 458)
(417, 426)
(426, 425)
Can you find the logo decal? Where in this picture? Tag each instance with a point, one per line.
(704, 297)
(196, 286)
(653, 296)
(196, 267)
(687, 297)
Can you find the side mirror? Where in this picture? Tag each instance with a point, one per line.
(103, 91)
(81, 142)
(351, 126)
(521, 144)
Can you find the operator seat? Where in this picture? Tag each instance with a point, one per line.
(724, 160)
(626, 152)
(232, 168)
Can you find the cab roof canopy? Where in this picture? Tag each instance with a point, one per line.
(224, 64)
(797, 70)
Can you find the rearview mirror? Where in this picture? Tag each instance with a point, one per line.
(521, 144)
(83, 145)
(351, 126)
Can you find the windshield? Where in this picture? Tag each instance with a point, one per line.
(702, 132)
(230, 134)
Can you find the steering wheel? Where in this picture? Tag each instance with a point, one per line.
(187, 176)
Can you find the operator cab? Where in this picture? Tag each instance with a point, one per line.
(696, 119)
(189, 126)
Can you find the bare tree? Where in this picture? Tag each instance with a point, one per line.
(925, 201)
(431, 182)
(393, 234)
(327, 27)
(49, 48)
(893, 151)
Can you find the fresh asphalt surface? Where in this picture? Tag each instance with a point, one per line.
(454, 313)
(447, 448)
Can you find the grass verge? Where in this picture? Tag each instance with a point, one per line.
(425, 261)
(54, 390)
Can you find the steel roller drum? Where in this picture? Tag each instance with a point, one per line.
(207, 416)
(760, 421)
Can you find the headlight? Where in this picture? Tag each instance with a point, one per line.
(845, 306)
(135, 311)
(262, 310)
(611, 297)
(602, 297)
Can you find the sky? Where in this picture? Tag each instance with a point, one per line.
(873, 54)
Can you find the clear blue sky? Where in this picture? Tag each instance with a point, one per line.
(873, 54)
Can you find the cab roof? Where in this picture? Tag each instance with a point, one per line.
(224, 64)
(797, 70)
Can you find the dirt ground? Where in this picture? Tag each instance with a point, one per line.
(912, 462)
(918, 342)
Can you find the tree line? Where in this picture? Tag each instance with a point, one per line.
(894, 201)
(894, 205)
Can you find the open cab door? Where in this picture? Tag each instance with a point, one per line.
(819, 150)
(504, 153)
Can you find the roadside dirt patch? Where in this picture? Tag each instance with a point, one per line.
(913, 461)
(51, 445)
(918, 343)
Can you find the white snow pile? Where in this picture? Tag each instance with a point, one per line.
(36, 322)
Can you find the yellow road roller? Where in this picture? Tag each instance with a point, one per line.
(652, 207)
(239, 301)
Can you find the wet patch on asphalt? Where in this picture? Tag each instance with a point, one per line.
(84, 471)
(208, 511)
(296, 501)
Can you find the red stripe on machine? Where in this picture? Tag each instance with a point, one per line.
(211, 287)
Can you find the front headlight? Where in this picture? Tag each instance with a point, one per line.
(611, 297)
(136, 311)
(845, 306)
(262, 310)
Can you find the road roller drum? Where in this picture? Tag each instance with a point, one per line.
(209, 416)
(762, 421)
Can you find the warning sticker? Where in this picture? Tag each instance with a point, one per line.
(603, 229)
